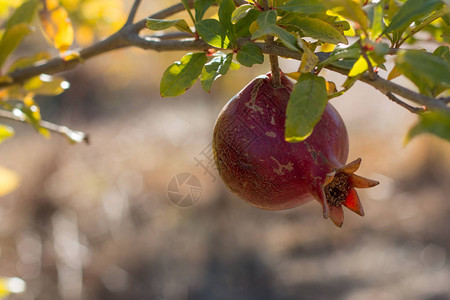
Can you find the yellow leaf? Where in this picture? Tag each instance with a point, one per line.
(71, 55)
(350, 9)
(5, 132)
(327, 47)
(395, 72)
(46, 85)
(6, 79)
(4, 94)
(28, 100)
(85, 35)
(309, 59)
(331, 87)
(11, 39)
(51, 4)
(44, 132)
(253, 27)
(9, 181)
(57, 26)
(361, 66)
(293, 75)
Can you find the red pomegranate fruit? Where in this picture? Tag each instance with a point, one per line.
(258, 165)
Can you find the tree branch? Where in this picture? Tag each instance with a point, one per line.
(59, 129)
(412, 109)
(445, 100)
(128, 36)
(133, 12)
(116, 41)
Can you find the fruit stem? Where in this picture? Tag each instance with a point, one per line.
(276, 72)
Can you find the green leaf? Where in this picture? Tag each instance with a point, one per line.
(188, 9)
(410, 11)
(200, 7)
(23, 14)
(182, 74)
(350, 81)
(5, 132)
(379, 53)
(375, 12)
(426, 70)
(392, 9)
(303, 6)
(243, 25)
(436, 122)
(213, 32)
(267, 25)
(267, 18)
(158, 24)
(46, 85)
(226, 9)
(342, 52)
(241, 12)
(249, 55)
(288, 39)
(315, 28)
(217, 67)
(443, 52)
(305, 107)
(11, 39)
(345, 63)
(349, 9)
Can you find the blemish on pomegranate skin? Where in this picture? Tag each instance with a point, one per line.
(271, 134)
(311, 151)
(252, 102)
(280, 171)
(272, 121)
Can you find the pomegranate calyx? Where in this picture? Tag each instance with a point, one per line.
(351, 167)
(339, 189)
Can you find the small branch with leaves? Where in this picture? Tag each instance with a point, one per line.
(71, 135)
(249, 30)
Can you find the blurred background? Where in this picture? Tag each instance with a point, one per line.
(96, 222)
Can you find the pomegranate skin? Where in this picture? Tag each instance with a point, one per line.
(256, 162)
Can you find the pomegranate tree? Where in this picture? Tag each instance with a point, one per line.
(260, 166)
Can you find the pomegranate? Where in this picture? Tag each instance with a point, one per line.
(258, 165)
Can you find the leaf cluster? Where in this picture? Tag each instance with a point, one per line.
(353, 37)
(361, 34)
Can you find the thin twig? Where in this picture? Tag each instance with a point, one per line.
(412, 109)
(59, 129)
(386, 86)
(445, 100)
(372, 74)
(275, 67)
(133, 11)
